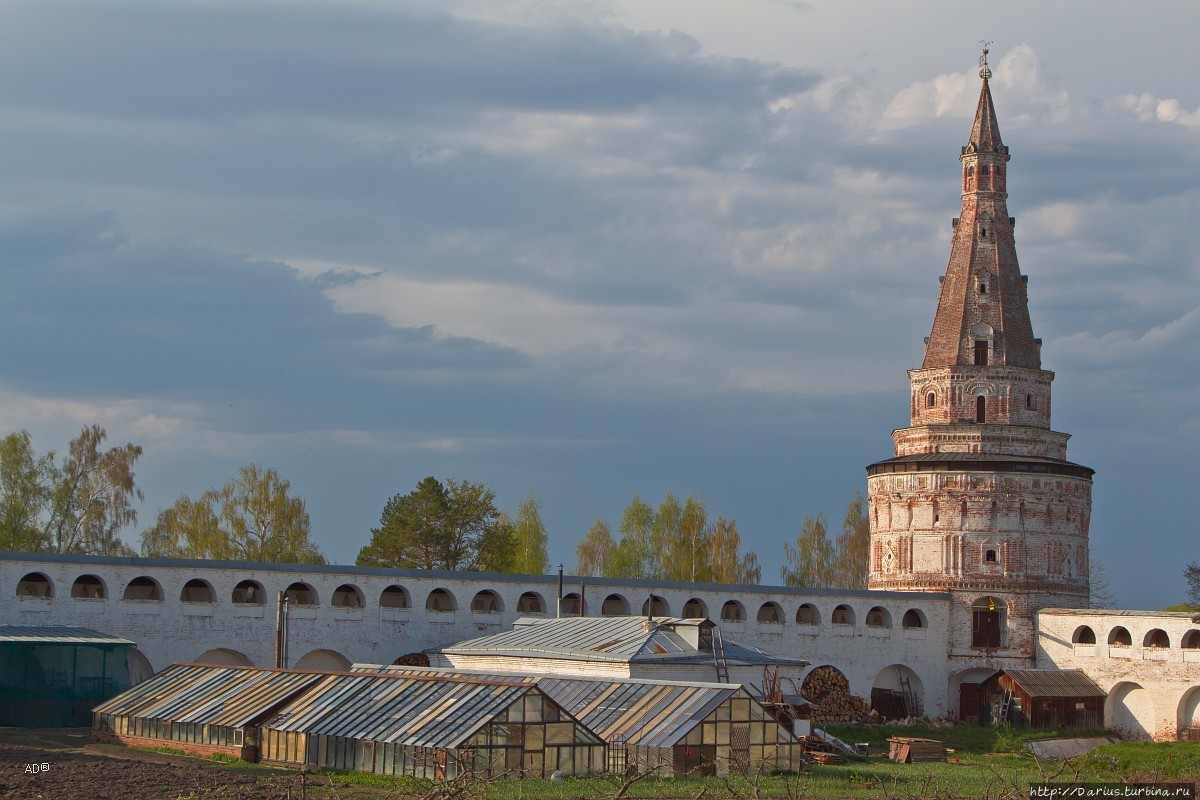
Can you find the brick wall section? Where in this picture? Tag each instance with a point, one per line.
(203, 750)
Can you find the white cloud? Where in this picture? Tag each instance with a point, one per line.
(1148, 108)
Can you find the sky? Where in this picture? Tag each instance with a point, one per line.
(588, 249)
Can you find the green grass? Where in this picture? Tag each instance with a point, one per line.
(976, 775)
(972, 739)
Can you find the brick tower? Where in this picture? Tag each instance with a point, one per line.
(979, 500)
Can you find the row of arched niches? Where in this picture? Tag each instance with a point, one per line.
(349, 597)
(1118, 637)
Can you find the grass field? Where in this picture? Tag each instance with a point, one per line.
(987, 763)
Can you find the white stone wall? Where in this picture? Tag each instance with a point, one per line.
(1153, 683)
(325, 636)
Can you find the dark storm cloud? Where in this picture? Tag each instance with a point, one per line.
(212, 60)
(83, 308)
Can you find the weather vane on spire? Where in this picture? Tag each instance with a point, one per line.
(984, 71)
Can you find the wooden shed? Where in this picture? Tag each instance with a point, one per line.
(1042, 699)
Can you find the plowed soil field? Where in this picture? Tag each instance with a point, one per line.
(68, 766)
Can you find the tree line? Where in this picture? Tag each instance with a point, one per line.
(81, 503)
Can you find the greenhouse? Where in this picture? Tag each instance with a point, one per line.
(432, 726)
(51, 676)
(671, 728)
(200, 708)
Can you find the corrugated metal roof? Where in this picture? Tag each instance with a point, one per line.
(419, 711)
(57, 634)
(643, 713)
(649, 713)
(610, 639)
(429, 710)
(1055, 682)
(201, 693)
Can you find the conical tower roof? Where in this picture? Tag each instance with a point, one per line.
(983, 297)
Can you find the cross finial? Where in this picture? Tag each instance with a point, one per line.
(984, 71)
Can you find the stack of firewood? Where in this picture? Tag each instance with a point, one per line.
(829, 692)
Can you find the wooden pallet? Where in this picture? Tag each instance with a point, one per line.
(908, 750)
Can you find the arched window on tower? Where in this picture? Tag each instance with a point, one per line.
(930, 400)
(981, 352)
(981, 409)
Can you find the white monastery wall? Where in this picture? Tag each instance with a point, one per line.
(1148, 662)
(862, 633)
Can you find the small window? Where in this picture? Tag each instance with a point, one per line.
(486, 602)
(531, 603)
(1156, 638)
(983, 170)
(571, 605)
(770, 614)
(440, 601)
(655, 606)
(843, 615)
(1119, 637)
(981, 409)
(615, 605)
(143, 588)
(983, 286)
(347, 596)
(249, 593)
(196, 591)
(930, 400)
(1083, 635)
(35, 584)
(301, 594)
(694, 609)
(981, 352)
(1029, 402)
(990, 556)
(913, 619)
(732, 611)
(807, 615)
(394, 597)
(88, 587)
(878, 617)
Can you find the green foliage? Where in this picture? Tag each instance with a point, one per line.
(224, 758)
(726, 562)
(449, 526)
(529, 534)
(673, 542)
(1191, 574)
(851, 560)
(814, 561)
(810, 559)
(635, 556)
(93, 496)
(1185, 608)
(251, 518)
(595, 551)
(26, 486)
(78, 507)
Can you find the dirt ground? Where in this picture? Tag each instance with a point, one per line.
(67, 765)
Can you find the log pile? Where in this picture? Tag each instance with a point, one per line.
(412, 660)
(829, 692)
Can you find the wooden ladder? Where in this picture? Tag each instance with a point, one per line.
(906, 692)
(1005, 705)
(719, 660)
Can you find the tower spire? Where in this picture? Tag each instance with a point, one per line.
(983, 312)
